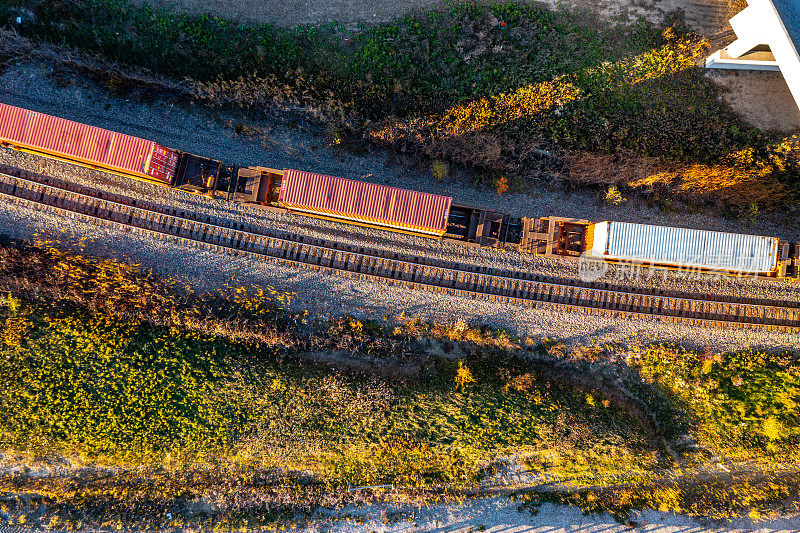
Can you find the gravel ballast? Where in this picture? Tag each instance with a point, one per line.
(209, 133)
(327, 295)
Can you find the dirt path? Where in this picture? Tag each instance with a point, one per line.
(708, 16)
(502, 515)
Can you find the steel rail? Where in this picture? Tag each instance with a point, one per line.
(432, 263)
(536, 293)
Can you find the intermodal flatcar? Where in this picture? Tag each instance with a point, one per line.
(691, 248)
(370, 204)
(664, 247)
(111, 151)
(395, 209)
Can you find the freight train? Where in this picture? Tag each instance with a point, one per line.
(401, 210)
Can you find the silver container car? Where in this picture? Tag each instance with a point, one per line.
(683, 248)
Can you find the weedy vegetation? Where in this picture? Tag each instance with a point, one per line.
(230, 409)
(132, 390)
(744, 406)
(765, 495)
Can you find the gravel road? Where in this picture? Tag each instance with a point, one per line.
(500, 515)
(199, 131)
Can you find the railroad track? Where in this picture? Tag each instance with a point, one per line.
(49, 194)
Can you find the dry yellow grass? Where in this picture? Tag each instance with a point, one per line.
(724, 185)
(742, 178)
(474, 118)
(606, 169)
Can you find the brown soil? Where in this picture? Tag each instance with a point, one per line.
(761, 98)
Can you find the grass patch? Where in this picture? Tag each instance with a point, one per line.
(715, 495)
(126, 392)
(113, 391)
(420, 61)
(741, 405)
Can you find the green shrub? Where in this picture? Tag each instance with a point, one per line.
(440, 169)
(742, 404)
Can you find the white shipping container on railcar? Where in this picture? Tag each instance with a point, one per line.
(685, 248)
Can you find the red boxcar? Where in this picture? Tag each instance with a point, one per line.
(65, 139)
(367, 203)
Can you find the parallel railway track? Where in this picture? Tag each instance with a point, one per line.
(49, 194)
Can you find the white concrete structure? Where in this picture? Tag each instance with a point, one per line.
(767, 38)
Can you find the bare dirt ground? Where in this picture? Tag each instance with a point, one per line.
(762, 98)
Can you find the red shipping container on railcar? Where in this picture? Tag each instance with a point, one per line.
(370, 203)
(65, 139)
